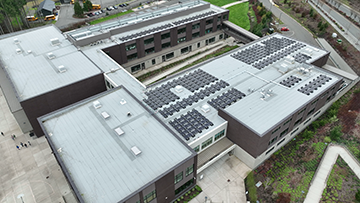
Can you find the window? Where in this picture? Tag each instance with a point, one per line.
(288, 121)
(208, 22)
(284, 132)
(182, 39)
(328, 99)
(294, 131)
(273, 140)
(132, 57)
(269, 150)
(196, 26)
(311, 111)
(297, 122)
(301, 111)
(221, 36)
(197, 148)
(149, 197)
(314, 102)
(165, 36)
(149, 41)
(219, 18)
(208, 30)
(198, 45)
(307, 121)
(130, 47)
(135, 68)
(189, 170)
(275, 130)
(219, 135)
(138, 201)
(206, 143)
(179, 177)
(218, 27)
(149, 51)
(183, 187)
(181, 30)
(225, 17)
(211, 40)
(170, 55)
(195, 35)
(153, 61)
(184, 50)
(280, 142)
(317, 113)
(165, 45)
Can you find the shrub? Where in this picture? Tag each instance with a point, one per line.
(336, 133)
(319, 24)
(357, 196)
(311, 12)
(198, 188)
(327, 139)
(308, 134)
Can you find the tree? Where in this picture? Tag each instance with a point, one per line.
(311, 12)
(87, 6)
(78, 10)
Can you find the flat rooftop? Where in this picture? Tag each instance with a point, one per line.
(27, 60)
(152, 21)
(108, 153)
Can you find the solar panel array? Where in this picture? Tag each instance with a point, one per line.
(226, 99)
(300, 58)
(314, 85)
(169, 111)
(259, 55)
(159, 97)
(145, 32)
(190, 124)
(195, 80)
(290, 81)
(193, 18)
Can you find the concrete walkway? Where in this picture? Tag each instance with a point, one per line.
(234, 3)
(335, 57)
(215, 184)
(319, 181)
(30, 175)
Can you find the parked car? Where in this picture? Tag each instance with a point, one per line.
(284, 29)
(115, 7)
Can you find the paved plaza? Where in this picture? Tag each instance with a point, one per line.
(30, 174)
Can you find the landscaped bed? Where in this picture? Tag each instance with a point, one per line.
(220, 2)
(238, 15)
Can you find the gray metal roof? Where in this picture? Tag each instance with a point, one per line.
(100, 161)
(31, 69)
(47, 5)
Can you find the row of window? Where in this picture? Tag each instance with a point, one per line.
(209, 141)
(179, 177)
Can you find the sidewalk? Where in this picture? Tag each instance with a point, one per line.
(238, 2)
(319, 181)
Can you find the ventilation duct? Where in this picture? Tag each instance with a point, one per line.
(61, 69)
(55, 41)
(96, 104)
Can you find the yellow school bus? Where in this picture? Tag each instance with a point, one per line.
(31, 18)
(49, 17)
(96, 7)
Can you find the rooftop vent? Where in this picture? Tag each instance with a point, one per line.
(178, 88)
(119, 131)
(29, 51)
(16, 41)
(61, 69)
(18, 51)
(122, 101)
(51, 55)
(289, 59)
(55, 41)
(205, 108)
(135, 150)
(128, 113)
(97, 104)
(307, 52)
(105, 115)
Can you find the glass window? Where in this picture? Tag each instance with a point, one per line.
(170, 55)
(307, 121)
(281, 142)
(196, 26)
(211, 40)
(317, 113)
(197, 148)
(195, 35)
(132, 57)
(130, 47)
(184, 50)
(149, 41)
(189, 170)
(219, 135)
(181, 30)
(221, 36)
(275, 130)
(150, 50)
(294, 131)
(165, 36)
(269, 150)
(224, 17)
(219, 18)
(135, 68)
(218, 27)
(311, 111)
(273, 140)
(153, 61)
(208, 30)
(284, 132)
(182, 39)
(301, 111)
(165, 45)
(208, 22)
(297, 122)
(149, 197)
(198, 45)
(206, 143)
(179, 177)
(288, 121)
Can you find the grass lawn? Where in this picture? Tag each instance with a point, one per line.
(109, 17)
(220, 2)
(238, 15)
